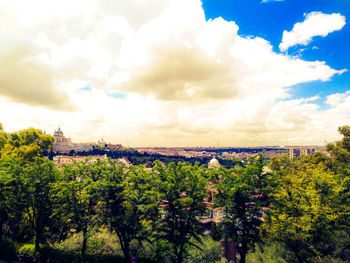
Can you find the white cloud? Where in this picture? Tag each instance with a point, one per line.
(207, 60)
(24, 79)
(255, 120)
(338, 99)
(315, 24)
(268, 1)
(188, 81)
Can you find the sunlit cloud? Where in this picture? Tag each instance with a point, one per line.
(315, 24)
(268, 1)
(167, 77)
(24, 79)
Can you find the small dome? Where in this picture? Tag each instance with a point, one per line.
(213, 163)
(58, 133)
(266, 170)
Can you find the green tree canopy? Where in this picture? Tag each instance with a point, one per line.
(128, 203)
(182, 189)
(25, 144)
(307, 206)
(243, 194)
(3, 138)
(77, 196)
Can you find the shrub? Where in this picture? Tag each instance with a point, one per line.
(53, 255)
(26, 252)
(329, 259)
(209, 251)
(270, 253)
(101, 243)
(72, 243)
(104, 243)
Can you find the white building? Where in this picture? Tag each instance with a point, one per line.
(214, 163)
(65, 145)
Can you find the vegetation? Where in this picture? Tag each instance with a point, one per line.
(182, 189)
(307, 208)
(99, 211)
(243, 194)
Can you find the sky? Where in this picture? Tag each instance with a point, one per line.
(177, 72)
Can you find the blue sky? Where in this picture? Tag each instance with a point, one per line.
(268, 20)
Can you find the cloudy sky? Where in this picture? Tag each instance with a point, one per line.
(177, 72)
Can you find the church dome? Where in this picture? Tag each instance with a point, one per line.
(213, 163)
(58, 133)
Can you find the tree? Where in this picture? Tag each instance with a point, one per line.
(341, 150)
(10, 196)
(3, 138)
(77, 197)
(26, 144)
(21, 163)
(243, 194)
(340, 164)
(38, 179)
(182, 189)
(306, 206)
(129, 203)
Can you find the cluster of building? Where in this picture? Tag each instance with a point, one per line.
(158, 151)
(201, 153)
(301, 150)
(176, 152)
(65, 145)
(190, 154)
(104, 144)
(61, 160)
(241, 155)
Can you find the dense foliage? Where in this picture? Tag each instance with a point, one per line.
(243, 195)
(99, 211)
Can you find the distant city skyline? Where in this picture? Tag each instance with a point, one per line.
(67, 142)
(177, 72)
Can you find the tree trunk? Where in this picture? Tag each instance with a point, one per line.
(179, 258)
(229, 247)
(243, 252)
(37, 240)
(125, 245)
(83, 248)
(126, 252)
(296, 248)
(180, 255)
(242, 260)
(37, 245)
(1, 231)
(299, 259)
